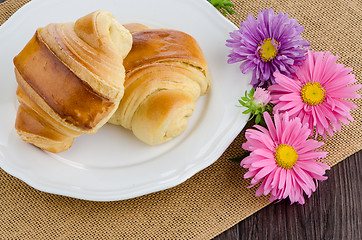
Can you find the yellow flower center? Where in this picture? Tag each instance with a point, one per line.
(286, 156)
(313, 93)
(267, 50)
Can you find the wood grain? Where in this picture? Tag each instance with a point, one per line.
(334, 211)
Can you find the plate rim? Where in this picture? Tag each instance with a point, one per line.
(32, 180)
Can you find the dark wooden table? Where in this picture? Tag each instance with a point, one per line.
(334, 211)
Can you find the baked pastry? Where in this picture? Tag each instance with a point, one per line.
(166, 73)
(70, 79)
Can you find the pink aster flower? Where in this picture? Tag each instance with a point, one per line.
(317, 93)
(270, 43)
(256, 101)
(261, 96)
(283, 159)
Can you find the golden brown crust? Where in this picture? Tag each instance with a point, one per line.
(28, 103)
(33, 125)
(135, 27)
(34, 129)
(155, 45)
(67, 95)
(70, 78)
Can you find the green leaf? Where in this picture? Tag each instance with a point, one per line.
(257, 119)
(242, 103)
(225, 6)
(247, 111)
(251, 94)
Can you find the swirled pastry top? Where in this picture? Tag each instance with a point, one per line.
(93, 48)
(166, 73)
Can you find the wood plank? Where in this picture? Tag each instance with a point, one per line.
(232, 233)
(334, 211)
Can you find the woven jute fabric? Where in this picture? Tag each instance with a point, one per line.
(211, 201)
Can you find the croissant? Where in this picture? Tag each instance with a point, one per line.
(166, 73)
(70, 79)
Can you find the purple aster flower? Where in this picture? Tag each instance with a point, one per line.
(271, 43)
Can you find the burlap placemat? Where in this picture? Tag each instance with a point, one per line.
(214, 199)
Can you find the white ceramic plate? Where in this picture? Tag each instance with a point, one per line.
(112, 164)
